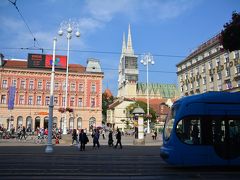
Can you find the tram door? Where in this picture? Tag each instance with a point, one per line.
(226, 138)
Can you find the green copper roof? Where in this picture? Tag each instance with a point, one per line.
(165, 90)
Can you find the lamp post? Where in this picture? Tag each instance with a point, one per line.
(68, 26)
(49, 148)
(147, 59)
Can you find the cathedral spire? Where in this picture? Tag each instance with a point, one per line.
(129, 42)
(123, 45)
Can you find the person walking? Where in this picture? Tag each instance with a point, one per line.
(23, 133)
(83, 140)
(96, 138)
(118, 137)
(110, 139)
(74, 136)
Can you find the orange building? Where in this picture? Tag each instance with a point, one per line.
(31, 86)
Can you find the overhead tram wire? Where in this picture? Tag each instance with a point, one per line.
(99, 52)
(34, 38)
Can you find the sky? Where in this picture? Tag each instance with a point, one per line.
(168, 29)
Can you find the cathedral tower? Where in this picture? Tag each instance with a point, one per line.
(128, 69)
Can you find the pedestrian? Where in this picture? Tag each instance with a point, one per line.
(23, 133)
(103, 134)
(155, 133)
(96, 138)
(118, 137)
(83, 140)
(74, 136)
(110, 139)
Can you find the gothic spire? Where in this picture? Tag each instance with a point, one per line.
(129, 42)
(123, 45)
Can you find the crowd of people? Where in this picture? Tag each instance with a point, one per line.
(80, 137)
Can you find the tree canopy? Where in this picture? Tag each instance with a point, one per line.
(143, 105)
(230, 36)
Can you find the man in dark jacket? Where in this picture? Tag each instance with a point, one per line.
(83, 139)
(118, 137)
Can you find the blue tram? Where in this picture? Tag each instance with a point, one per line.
(203, 130)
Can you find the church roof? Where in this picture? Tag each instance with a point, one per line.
(165, 90)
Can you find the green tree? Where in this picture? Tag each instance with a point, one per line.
(230, 36)
(106, 101)
(143, 105)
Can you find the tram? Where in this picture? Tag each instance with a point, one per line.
(203, 130)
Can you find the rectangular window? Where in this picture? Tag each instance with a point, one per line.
(30, 100)
(236, 54)
(219, 75)
(238, 83)
(63, 101)
(204, 80)
(226, 58)
(63, 86)
(56, 86)
(55, 100)
(3, 99)
(72, 100)
(4, 84)
(39, 100)
(47, 100)
(203, 69)
(81, 87)
(31, 85)
(40, 85)
(14, 82)
(211, 78)
(23, 84)
(48, 84)
(238, 69)
(93, 88)
(218, 62)
(21, 99)
(228, 72)
(80, 102)
(210, 65)
(92, 102)
(73, 87)
(198, 82)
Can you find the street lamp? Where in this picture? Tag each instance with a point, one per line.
(147, 59)
(68, 26)
(49, 148)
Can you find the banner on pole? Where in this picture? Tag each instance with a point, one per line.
(11, 97)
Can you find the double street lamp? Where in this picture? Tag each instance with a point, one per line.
(49, 148)
(70, 27)
(147, 59)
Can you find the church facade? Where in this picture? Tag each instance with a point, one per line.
(129, 86)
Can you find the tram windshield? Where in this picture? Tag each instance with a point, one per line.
(169, 123)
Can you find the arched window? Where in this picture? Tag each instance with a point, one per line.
(71, 123)
(92, 123)
(29, 124)
(37, 122)
(45, 122)
(19, 121)
(55, 122)
(79, 123)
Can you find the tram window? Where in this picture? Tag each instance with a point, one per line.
(169, 124)
(188, 130)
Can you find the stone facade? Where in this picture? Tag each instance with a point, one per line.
(31, 104)
(209, 68)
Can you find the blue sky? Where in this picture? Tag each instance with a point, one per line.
(168, 29)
